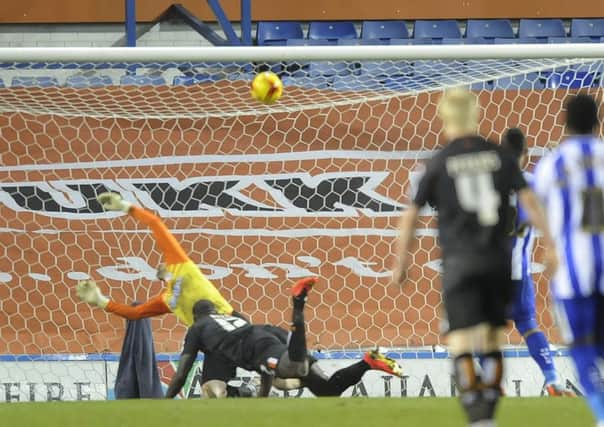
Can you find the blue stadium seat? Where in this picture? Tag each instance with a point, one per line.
(34, 81)
(356, 83)
(593, 28)
(319, 82)
(363, 42)
(572, 40)
(411, 42)
(331, 30)
(408, 83)
(524, 40)
(311, 42)
(471, 40)
(522, 81)
(436, 29)
(188, 80)
(489, 28)
(384, 30)
(320, 68)
(142, 80)
(83, 81)
(277, 33)
(570, 79)
(541, 28)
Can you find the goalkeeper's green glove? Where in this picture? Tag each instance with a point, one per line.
(113, 202)
(89, 292)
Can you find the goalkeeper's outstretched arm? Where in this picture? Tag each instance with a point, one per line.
(89, 292)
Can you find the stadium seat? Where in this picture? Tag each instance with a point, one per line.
(384, 30)
(524, 40)
(143, 80)
(573, 40)
(436, 29)
(277, 33)
(34, 81)
(331, 30)
(356, 83)
(570, 79)
(471, 40)
(592, 28)
(83, 81)
(489, 28)
(188, 80)
(363, 42)
(320, 68)
(413, 41)
(320, 82)
(541, 28)
(522, 81)
(311, 42)
(409, 83)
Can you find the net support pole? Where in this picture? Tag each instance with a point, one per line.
(224, 22)
(246, 22)
(130, 13)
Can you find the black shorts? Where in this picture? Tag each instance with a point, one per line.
(263, 350)
(216, 367)
(470, 300)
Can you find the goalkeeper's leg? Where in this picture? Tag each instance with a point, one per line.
(173, 252)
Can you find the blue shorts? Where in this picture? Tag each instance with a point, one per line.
(523, 304)
(581, 319)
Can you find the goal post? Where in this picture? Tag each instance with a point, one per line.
(258, 195)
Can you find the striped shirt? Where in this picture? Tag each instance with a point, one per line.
(522, 239)
(569, 181)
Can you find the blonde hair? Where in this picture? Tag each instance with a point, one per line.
(458, 109)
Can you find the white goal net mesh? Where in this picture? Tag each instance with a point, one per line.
(258, 195)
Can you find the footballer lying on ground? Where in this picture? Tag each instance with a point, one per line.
(185, 286)
(262, 348)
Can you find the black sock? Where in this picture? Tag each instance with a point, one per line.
(468, 384)
(297, 340)
(492, 374)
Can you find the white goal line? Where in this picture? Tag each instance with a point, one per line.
(301, 53)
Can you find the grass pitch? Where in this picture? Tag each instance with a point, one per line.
(328, 412)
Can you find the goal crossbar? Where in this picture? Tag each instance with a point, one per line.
(307, 53)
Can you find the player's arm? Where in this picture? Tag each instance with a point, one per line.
(534, 210)
(407, 226)
(173, 252)
(408, 221)
(187, 359)
(193, 344)
(537, 217)
(89, 292)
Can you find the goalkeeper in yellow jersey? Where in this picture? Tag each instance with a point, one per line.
(184, 283)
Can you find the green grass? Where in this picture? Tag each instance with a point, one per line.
(345, 412)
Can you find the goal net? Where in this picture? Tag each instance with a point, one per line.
(257, 195)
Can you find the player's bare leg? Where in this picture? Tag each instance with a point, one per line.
(479, 398)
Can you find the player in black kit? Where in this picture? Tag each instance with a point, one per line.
(267, 350)
(469, 182)
(251, 347)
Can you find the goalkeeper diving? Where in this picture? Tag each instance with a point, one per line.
(184, 285)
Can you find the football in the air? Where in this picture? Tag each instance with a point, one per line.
(267, 87)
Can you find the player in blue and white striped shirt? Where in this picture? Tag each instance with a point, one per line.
(570, 182)
(523, 306)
